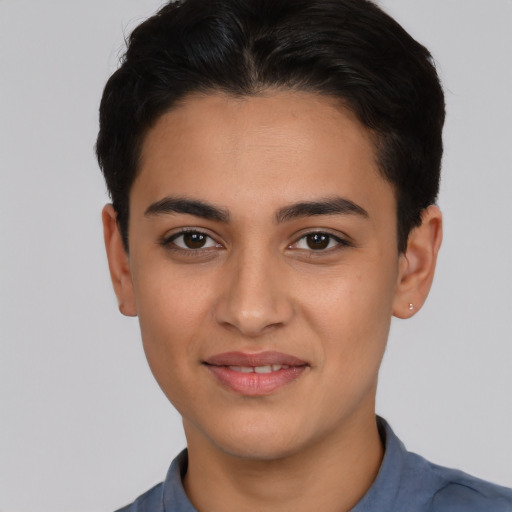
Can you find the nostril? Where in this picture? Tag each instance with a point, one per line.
(253, 298)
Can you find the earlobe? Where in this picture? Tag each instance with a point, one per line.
(118, 262)
(417, 265)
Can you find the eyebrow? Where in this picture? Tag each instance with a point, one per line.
(329, 206)
(169, 205)
(198, 208)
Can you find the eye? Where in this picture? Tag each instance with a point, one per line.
(192, 240)
(318, 242)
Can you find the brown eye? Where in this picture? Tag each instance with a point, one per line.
(317, 241)
(194, 240)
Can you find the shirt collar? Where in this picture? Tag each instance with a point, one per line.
(381, 496)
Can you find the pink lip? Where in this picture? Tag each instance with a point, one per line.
(255, 384)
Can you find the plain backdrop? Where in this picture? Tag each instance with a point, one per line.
(83, 426)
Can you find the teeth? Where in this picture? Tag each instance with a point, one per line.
(259, 369)
(242, 369)
(263, 369)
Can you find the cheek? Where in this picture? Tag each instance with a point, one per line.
(169, 300)
(351, 310)
(171, 313)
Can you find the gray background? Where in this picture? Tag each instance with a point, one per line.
(83, 426)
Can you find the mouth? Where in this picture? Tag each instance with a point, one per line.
(255, 374)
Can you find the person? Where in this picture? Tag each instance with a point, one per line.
(274, 168)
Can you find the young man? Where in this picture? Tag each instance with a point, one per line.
(273, 166)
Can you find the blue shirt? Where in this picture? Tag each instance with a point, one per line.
(406, 482)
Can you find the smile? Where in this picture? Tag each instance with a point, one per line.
(259, 369)
(255, 374)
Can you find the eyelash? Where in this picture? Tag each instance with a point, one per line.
(340, 242)
(170, 243)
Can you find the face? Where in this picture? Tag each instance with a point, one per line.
(263, 268)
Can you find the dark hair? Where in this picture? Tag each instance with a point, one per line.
(347, 49)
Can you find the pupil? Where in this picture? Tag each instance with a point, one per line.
(318, 241)
(194, 240)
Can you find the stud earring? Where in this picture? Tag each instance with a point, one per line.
(411, 307)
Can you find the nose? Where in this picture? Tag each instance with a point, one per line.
(254, 298)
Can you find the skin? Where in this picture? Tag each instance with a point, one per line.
(258, 286)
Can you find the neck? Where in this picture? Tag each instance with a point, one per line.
(331, 475)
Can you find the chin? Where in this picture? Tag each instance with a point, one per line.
(263, 439)
(260, 449)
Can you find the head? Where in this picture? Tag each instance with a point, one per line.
(272, 165)
(348, 50)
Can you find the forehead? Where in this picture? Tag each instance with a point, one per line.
(272, 149)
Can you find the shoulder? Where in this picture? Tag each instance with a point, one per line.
(455, 491)
(167, 495)
(410, 482)
(463, 492)
(150, 501)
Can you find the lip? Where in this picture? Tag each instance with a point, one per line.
(221, 366)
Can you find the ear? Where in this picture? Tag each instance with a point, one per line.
(418, 263)
(118, 262)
